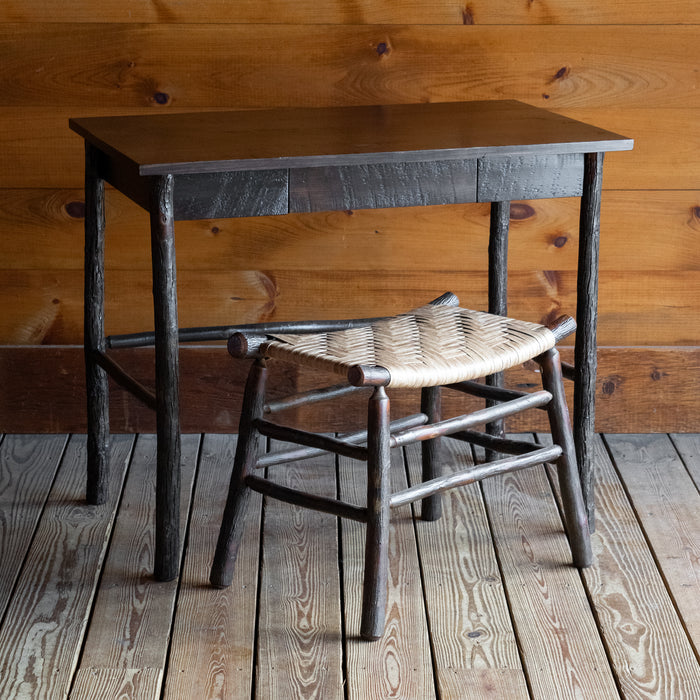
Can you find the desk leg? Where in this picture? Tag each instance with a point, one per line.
(167, 549)
(97, 387)
(498, 293)
(585, 358)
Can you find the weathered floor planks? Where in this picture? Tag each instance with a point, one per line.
(474, 647)
(668, 507)
(482, 604)
(133, 614)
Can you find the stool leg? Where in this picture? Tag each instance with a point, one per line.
(233, 521)
(431, 507)
(374, 592)
(567, 470)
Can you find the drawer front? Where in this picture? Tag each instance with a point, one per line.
(506, 178)
(378, 186)
(230, 195)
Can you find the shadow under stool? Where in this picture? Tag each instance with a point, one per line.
(440, 345)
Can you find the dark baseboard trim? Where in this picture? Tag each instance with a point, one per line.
(640, 390)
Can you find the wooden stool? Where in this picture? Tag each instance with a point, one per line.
(438, 345)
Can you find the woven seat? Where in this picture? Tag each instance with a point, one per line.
(437, 346)
(431, 346)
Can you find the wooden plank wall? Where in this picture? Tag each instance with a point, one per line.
(630, 66)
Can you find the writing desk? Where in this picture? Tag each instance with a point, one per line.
(256, 163)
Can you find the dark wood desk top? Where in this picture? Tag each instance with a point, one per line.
(208, 142)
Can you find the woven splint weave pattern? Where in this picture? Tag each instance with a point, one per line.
(431, 346)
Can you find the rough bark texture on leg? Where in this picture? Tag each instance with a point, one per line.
(585, 358)
(167, 379)
(431, 507)
(94, 332)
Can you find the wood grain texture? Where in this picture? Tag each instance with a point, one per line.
(668, 506)
(135, 65)
(55, 590)
(45, 307)
(213, 637)
(398, 664)
(230, 195)
(499, 12)
(560, 650)
(380, 186)
(688, 447)
(125, 684)
(135, 612)
(28, 464)
(44, 230)
(638, 389)
(474, 646)
(665, 151)
(300, 634)
(502, 179)
(365, 12)
(625, 584)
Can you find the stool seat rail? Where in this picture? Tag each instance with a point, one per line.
(272, 459)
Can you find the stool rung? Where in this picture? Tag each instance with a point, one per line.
(303, 437)
(568, 370)
(306, 500)
(485, 415)
(283, 456)
(485, 391)
(312, 396)
(477, 473)
(497, 444)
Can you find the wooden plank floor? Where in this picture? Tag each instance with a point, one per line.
(482, 604)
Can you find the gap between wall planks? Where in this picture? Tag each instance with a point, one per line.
(636, 309)
(646, 389)
(480, 12)
(544, 235)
